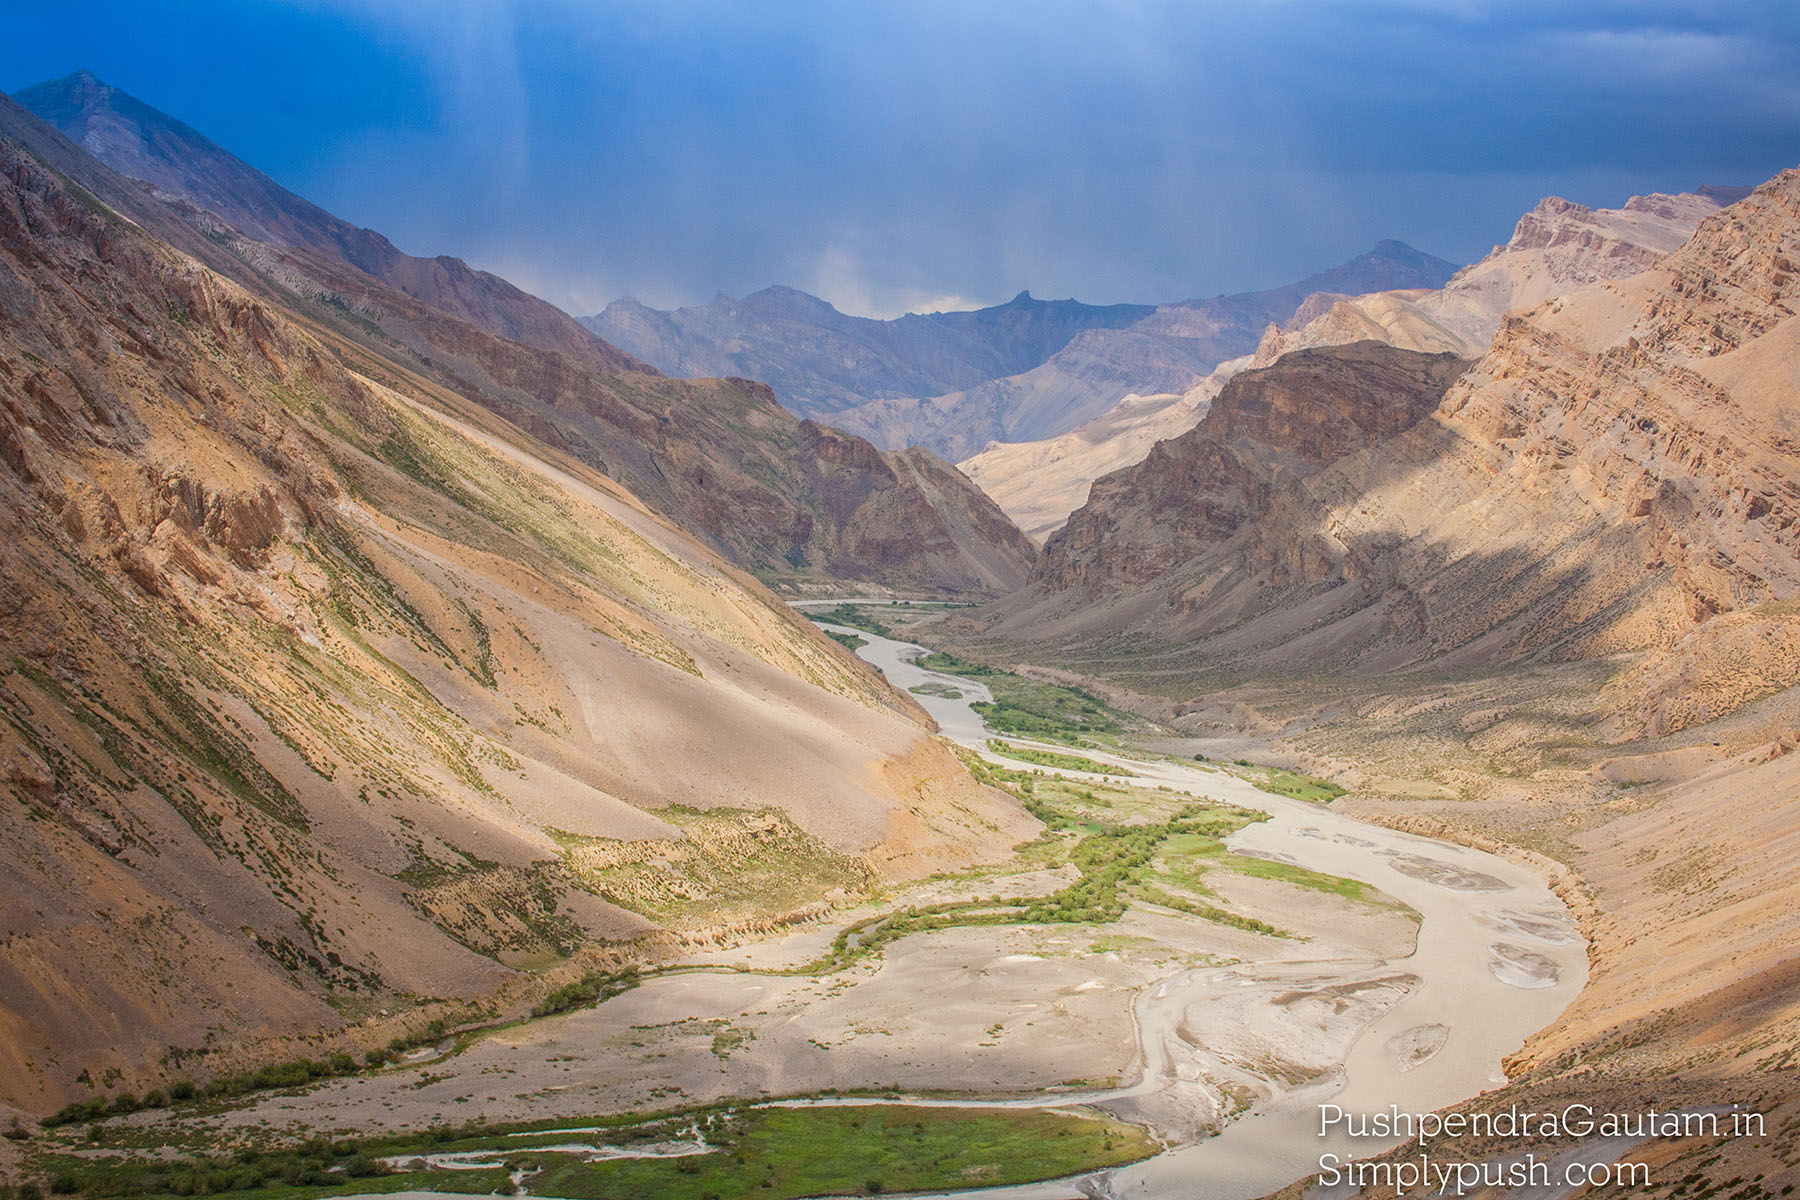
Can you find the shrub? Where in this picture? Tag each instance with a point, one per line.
(182, 1089)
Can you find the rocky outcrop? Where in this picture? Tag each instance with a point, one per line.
(1266, 430)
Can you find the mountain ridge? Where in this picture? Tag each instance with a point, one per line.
(144, 143)
(957, 392)
(674, 443)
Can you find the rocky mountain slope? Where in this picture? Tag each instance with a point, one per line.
(953, 382)
(1616, 472)
(1557, 617)
(1557, 247)
(1267, 430)
(720, 458)
(142, 143)
(325, 688)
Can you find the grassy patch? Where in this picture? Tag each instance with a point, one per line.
(731, 863)
(851, 615)
(769, 1153)
(1054, 760)
(778, 1154)
(593, 988)
(1025, 708)
(936, 689)
(848, 641)
(1294, 785)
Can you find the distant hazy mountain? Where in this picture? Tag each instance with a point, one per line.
(821, 361)
(143, 143)
(954, 381)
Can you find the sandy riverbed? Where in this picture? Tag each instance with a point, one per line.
(1161, 1018)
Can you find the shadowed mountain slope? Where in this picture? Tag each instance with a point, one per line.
(1615, 474)
(1558, 247)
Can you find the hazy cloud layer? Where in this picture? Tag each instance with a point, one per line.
(918, 153)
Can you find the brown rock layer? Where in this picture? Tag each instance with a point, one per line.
(1266, 430)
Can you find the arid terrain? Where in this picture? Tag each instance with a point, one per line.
(451, 747)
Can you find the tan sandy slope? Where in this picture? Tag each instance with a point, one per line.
(316, 674)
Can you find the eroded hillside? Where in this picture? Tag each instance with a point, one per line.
(318, 676)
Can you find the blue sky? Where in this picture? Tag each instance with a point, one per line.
(889, 154)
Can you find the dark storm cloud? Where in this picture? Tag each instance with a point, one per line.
(901, 154)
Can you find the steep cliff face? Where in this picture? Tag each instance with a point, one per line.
(1267, 430)
(1619, 469)
(306, 654)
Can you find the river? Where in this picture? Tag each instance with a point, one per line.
(1497, 958)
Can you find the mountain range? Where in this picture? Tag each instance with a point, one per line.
(1556, 248)
(383, 645)
(953, 382)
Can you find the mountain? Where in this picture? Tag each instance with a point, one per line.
(1039, 484)
(142, 143)
(1555, 617)
(720, 458)
(1168, 352)
(1614, 475)
(321, 679)
(1019, 371)
(1267, 430)
(1556, 248)
(821, 361)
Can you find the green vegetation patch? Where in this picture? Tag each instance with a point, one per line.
(936, 689)
(1294, 785)
(772, 1153)
(731, 862)
(851, 615)
(848, 641)
(595, 987)
(1025, 708)
(780, 1153)
(1054, 760)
